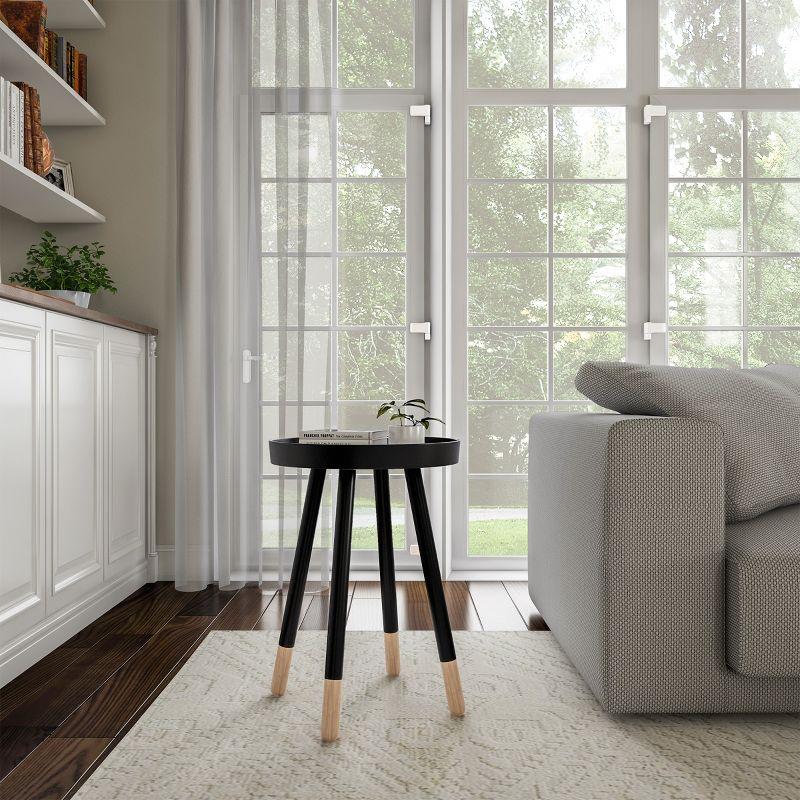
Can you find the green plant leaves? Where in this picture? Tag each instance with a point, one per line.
(51, 266)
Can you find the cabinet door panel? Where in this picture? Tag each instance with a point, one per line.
(125, 400)
(22, 584)
(75, 446)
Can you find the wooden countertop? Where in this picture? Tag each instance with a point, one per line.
(31, 298)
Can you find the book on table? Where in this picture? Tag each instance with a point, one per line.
(335, 436)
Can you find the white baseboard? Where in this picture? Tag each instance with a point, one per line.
(52, 632)
(166, 571)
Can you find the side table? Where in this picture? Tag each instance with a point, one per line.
(380, 458)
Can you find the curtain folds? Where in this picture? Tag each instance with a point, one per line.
(214, 540)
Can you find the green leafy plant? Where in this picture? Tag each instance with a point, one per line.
(407, 416)
(51, 266)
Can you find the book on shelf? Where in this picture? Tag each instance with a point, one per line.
(22, 138)
(28, 20)
(335, 436)
(12, 121)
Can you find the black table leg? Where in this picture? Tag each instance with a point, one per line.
(337, 614)
(297, 584)
(383, 511)
(433, 583)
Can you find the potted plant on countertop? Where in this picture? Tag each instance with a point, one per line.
(69, 273)
(410, 430)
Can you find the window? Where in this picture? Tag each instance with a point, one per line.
(537, 223)
(702, 43)
(733, 237)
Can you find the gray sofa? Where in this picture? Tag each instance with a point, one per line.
(661, 605)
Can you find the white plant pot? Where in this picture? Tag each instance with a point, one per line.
(80, 299)
(406, 434)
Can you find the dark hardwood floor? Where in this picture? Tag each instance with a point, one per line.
(61, 717)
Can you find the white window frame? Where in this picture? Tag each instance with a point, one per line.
(642, 70)
(739, 100)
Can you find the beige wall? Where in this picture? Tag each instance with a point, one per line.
(126, 170)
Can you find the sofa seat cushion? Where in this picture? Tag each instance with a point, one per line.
(762, 559)
(757, 410)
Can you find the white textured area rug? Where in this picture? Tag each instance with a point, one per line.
(532, 730)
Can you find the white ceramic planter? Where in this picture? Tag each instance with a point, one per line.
(80, 299)
(406, 434)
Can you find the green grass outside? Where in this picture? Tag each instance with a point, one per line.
(495, 537)
(498, 537)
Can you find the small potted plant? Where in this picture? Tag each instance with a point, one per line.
(411, 430)
(69, 273)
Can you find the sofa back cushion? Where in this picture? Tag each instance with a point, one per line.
(758, 411)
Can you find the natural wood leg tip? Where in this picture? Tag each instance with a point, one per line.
(280, 673)
(391, 646)
(331, 701)
(452, 688)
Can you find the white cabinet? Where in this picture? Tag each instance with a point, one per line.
(22, 468)
(75, 432)
(126, 437)
(74, 459)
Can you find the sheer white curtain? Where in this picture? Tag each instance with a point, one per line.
(216, 256)
(294, 73)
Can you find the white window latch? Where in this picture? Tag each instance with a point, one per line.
(247, 365)
(653, 111)
(653, 327)
(421, 111)
(421, 327)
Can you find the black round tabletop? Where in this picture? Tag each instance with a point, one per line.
(435, 452)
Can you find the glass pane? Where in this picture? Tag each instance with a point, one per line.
(372, 217)
(773, 347)
(307, 291)
(498, 438)
(505, 365)
(589, 218)
(705, 291)
(298, 369)
(507, 43)
(371, 144)
(705, 349)
(589, 142)
(773, 144)
(302, 148)
(705, 144)
(705, 217)
(498, 517)
(507, 291)
(774, 216)
(589, 43)
(371, 365)
(372, 290)
(360, 417)
(589, 291)
(699, 43)
(507, 142)
(294, 419)
(365, 525)
(572, 348)
(281, 499)
(376, 43)
(304, 33)
(773, 34)
(773, 291)
(508, 218)
(303, 217)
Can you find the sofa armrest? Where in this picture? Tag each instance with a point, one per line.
(627, 553)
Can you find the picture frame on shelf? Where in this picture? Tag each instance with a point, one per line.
(60, 175)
